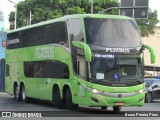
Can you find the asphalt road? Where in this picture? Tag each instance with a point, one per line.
(7, 103)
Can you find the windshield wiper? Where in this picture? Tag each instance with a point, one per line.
(99, 80)
(139, 81)
(133, 80)
(96, 80)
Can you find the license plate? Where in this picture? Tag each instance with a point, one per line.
(119, 104)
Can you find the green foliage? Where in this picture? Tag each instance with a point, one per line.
(43, 10)
(147, 26)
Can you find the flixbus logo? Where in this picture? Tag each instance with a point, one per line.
(119, 50)
(44, 52)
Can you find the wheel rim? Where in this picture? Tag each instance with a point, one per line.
(23, 95)
(16, 92)
(117, 108)
(149, 97)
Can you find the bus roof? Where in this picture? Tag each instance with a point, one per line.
(70, 16)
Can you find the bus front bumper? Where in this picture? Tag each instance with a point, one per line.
(93, 99)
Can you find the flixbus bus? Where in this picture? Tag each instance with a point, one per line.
(77, 60)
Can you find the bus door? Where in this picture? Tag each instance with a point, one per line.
(82, 72)
(44, 87)
(43, 77)
(31, 81)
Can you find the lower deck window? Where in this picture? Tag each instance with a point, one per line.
(46, 69)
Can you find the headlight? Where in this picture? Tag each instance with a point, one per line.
(141, 91)
(96, 91)
(92, 90)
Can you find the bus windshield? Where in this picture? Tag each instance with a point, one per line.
(116, 68)
(112, 32)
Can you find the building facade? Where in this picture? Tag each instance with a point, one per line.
(154, 42)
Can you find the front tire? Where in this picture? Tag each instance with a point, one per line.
(116, 108)
(104, 108)
(148, 97)
(70, 105)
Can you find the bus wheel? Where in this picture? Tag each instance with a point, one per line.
(148, 98)
(23, 95)
(70, 105)
(58, 102)
(16, 93)
(104, 108)
(116, 108)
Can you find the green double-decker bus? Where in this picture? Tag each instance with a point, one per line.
(84, 59)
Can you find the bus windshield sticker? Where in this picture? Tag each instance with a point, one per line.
(116, 76)
(99, 76)
(104, 55)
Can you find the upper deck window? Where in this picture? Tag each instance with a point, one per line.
(75, 30)
(41, 35)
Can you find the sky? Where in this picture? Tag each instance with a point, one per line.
(6, 7)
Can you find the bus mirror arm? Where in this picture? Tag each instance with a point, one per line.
(86, 49)
(152, 53)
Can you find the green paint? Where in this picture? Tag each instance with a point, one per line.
(86, 49)
(42, 88)
(152, 53)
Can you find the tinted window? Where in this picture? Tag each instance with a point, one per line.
(46, 69)
(112, 32)
(148, 83)
(75, 29)
(82, 71)
(13, 40)
(7, 70)
(46, 34)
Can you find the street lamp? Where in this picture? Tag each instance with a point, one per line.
(15, 15)
(91, 6)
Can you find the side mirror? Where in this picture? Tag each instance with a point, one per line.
(155, 86)
(152, 53)
(86, 49)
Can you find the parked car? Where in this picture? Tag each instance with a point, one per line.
(152, 89)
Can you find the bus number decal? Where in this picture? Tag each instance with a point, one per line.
(44, 52)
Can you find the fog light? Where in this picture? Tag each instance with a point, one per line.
(142, 99)
(94, 99)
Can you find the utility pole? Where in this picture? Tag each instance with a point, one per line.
(15, 19)
(30, 17)
(15, 15)
(91, 6)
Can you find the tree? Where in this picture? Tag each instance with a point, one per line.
(43, 10)
(147, 26)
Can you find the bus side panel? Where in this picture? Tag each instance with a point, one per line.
(14, 73)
